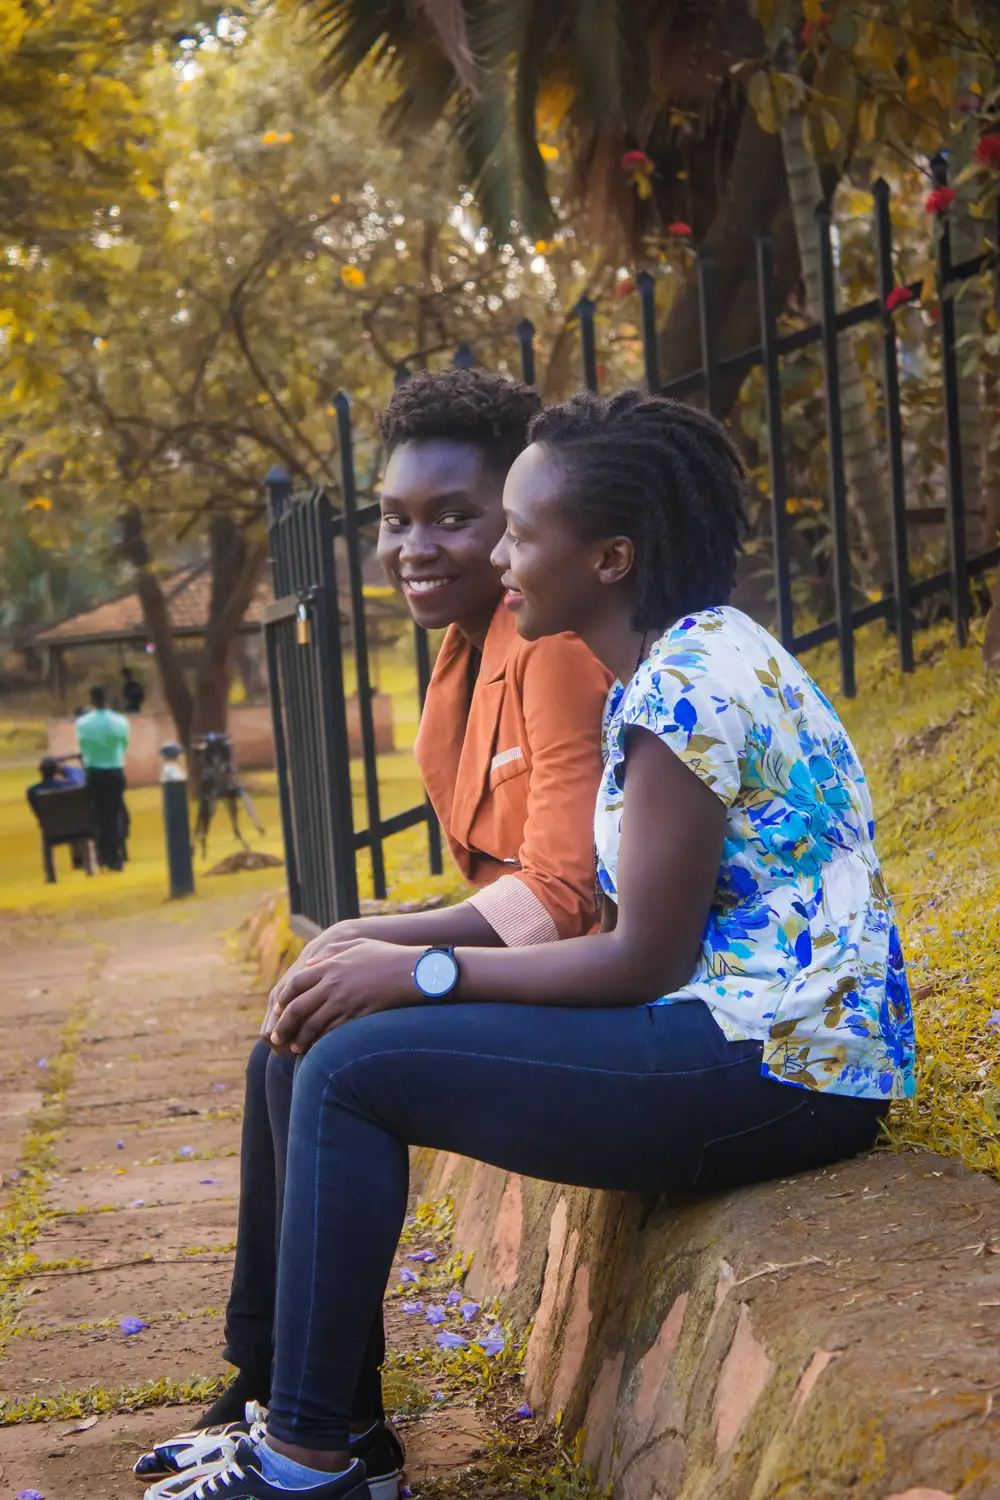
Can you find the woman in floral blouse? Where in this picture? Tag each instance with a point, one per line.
(742, 1014)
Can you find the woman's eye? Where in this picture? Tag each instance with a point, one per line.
(452, 520)
(392, 523)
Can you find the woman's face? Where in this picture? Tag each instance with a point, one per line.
(552, 580)
(442, 515)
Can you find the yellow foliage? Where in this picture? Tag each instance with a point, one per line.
(352, 276)
(547, 153)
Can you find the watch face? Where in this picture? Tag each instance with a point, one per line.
(435, 973)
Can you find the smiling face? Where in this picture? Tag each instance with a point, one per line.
(553, 579)
(442, 515)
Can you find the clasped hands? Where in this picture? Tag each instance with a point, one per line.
(341, 979)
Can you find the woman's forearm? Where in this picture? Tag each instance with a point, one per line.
(460, 925)
(603, 969)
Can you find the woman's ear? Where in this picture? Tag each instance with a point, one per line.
(615, 559)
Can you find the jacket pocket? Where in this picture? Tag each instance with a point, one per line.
(507, 765)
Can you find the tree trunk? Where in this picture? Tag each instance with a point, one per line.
(863, 458)
(236, 567)
(756, 197)
(156, 616)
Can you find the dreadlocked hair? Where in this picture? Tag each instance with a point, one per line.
(463, 406)
(666, 476)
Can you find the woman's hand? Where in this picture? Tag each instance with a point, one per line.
(345, 980)
(317, 947)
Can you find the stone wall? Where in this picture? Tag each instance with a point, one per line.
(831, 1335)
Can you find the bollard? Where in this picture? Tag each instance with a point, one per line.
(173, 779)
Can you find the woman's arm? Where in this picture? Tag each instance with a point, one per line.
(669, 860)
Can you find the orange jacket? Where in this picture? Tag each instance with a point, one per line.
(513, 775)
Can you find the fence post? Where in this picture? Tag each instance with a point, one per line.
(775, 439)
(646, 287)
(352, 538)
(588, 350)
(835, 439)
(526, 340)
(952, 419)
(278, 486)
(709, 340)
(423, 681)
(893, 430)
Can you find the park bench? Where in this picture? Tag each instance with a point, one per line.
(65, 816)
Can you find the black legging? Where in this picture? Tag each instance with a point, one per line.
(636, 1098)
(250, 1310)
(107, 793)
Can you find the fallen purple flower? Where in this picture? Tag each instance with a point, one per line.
(136, 1203)
(523, 1414)
(209, 1181)
(446, 1340)
(407, 1276)
(435, 1315)
(120, 1145)
(438, 1396)
(29, 1495)
(994, 1021)
(425, 1255)
(186, 1151)
(469, 1310)
(132, 1325)
(453, 1298)
(413, 1307)
(406, 1492)
(491, 1345)
(43, 1062)
(220, 1088)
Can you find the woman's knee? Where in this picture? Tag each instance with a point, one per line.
(357, 1050)
(256, 1069)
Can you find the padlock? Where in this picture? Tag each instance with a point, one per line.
(302, 625)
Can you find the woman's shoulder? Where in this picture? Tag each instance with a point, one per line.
(562, 655)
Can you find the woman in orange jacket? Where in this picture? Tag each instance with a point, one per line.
(509, 750)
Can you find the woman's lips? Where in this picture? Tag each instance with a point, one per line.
(513, 599)
(425, 588)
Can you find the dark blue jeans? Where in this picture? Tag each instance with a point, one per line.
(648, 1099)
(250, 1310)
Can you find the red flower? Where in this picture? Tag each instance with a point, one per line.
(967, 104)
(636, 161)
(625, 288)
(988, 151)
(682, 230)
(897, 297)
(822, 24)
(941, 199)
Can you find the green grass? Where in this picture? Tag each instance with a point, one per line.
(930, 746)
(143, 883)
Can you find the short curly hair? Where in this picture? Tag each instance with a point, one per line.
(666, 476)
(463, 406)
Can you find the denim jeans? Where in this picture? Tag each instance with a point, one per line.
(648, 1099)
(250, 1310)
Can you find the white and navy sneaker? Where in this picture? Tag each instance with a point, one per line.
(204, 1448)
(199, 1453)
(241, 1479)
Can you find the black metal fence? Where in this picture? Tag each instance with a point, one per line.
(303, 626)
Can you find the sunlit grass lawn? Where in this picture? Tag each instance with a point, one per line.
(143, 882)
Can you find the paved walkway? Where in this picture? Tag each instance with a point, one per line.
(121, 1079)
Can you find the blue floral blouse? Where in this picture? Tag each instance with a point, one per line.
(800, 949)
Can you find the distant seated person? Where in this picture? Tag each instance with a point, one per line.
(103, 737)
(133, 692)
(57, 776)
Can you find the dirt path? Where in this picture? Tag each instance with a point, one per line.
(122, 1080)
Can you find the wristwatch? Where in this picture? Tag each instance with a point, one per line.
(436, 973)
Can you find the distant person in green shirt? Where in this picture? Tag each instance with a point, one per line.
(103, 737)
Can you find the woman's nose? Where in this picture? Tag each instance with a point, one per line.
(500, 556)
(417, 544)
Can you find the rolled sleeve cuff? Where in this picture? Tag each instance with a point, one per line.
(515, 913)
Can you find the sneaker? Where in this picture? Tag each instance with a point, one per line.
(198, 1453)
(381, 1451)
(204, 1449)
(241, 1479)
